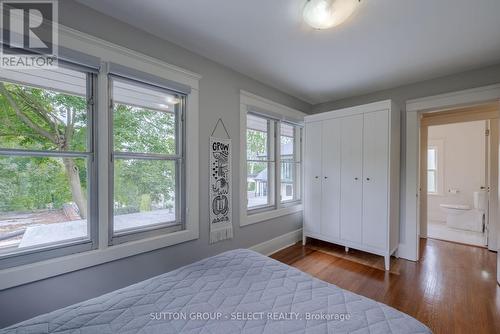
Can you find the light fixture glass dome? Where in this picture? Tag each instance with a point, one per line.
(324, 14)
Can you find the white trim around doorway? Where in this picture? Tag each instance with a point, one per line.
(409, 246)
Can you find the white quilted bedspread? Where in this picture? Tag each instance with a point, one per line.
(238, 291)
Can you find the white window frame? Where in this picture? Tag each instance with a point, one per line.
(433, 170)
(297, 165)
(438, 146)
(271, 160)
(60, 248)
(178, 157)
(107, 53)
(255, 103)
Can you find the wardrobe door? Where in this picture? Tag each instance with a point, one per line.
(312, 177)
(375, 180)
(330, 205)
(351, 184)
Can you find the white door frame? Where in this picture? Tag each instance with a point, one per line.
(409, 245)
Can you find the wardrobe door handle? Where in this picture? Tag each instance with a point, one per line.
(367, 179)
(316, 177)
(356, 178)
(326, 177)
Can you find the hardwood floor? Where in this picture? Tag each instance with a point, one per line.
(452, 289)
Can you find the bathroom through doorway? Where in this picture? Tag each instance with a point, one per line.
(459, 174)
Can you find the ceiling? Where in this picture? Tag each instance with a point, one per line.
(386, 43)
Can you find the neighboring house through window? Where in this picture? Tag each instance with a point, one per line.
(273, 167)
(290, 153)
(262, 158)
(260, 161)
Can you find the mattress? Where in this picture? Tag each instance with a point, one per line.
(239, 291)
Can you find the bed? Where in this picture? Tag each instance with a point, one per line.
(239, 291)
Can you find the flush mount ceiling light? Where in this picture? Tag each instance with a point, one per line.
(324, 14)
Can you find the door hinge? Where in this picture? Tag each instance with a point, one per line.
(487, 132)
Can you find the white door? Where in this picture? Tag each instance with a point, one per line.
(492, 227)
(375, 179)
(330, 205)
(493, 223)
(312, 177)
(351, 183)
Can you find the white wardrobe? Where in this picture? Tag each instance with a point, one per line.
(351, 178)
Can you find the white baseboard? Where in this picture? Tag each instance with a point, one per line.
(283, 241)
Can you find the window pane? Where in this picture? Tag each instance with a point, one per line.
(431, 158)
(259, 191)
(144, 119)
(287, 142)
(144, 193)
(42, 201)
(431, 181)
(53, 118)
(257, 138)
(288, 181)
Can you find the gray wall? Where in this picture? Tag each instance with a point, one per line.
(219, 97)
(465, 80)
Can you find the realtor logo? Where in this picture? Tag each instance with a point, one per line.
(28, 34)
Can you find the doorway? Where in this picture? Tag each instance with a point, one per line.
(457, 200)
(458, 170)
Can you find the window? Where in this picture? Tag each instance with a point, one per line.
(47, 170)
(148, 160)
(290, 152)
(432, 170)
(263, 193)
(133, 126)
(260, 162)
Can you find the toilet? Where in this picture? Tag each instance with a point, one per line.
(466, 218)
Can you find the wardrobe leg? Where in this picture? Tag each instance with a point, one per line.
(303, 240)
(346, 249)
(387, 260)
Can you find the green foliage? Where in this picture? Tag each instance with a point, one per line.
(256, 144)
(142, 184)
(41, 119)
(256, 149)
(144, 131)
(32, 183)
(44, 119)
(145, 205)
(250, 186)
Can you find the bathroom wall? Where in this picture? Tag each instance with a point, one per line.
(463, 161)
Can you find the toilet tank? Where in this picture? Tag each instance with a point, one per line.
(480, 200)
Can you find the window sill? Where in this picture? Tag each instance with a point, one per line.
(271, 214)
(15, 276)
